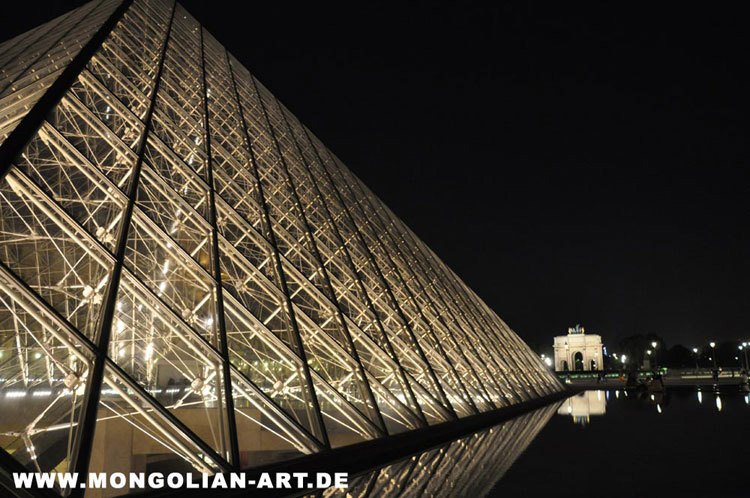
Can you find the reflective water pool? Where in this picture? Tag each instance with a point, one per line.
(597, 443)
(609, 443)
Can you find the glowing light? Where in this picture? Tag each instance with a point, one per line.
(712, 344)
(700, 397)
(653, 344)
(617, 394)
(718, 403)
(658, 408)
(149, 351)
(695, 350)
(162, 286)
(548, 361)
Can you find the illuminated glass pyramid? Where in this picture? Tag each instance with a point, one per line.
(189, 279)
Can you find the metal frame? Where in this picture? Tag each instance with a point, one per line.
(184, 262)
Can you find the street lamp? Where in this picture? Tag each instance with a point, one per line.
(745, 363)
(653, 345)
(713, 352)
(743, 354)
(695, 352)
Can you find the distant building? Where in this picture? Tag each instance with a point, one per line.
(578, 351)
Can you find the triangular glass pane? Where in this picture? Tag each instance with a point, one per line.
(255, 292)
(94, 140)
(132, 436)
(270, 365)
(46, 249)
(170, 362)
(265, 433)
(329, 360)
(396, 416)
(43, 372)
(344, 425)
(107, 108)
(433, 412)
(175, 173)
(79, 188)
(173, 275)
(174, 216)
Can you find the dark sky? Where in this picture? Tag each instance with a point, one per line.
(571, 164)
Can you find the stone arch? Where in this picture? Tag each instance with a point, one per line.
(578, 361)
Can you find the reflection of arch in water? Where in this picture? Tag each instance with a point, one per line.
(578, 361)
(583, 405)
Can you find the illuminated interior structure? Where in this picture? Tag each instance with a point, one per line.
(191, 280)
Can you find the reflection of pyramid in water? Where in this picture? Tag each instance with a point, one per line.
(470, 466)
(187, 270)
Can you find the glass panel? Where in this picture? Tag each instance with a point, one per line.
(165, 357)
(173, 275)
(51, 253)
(132, 436)
(44, 367)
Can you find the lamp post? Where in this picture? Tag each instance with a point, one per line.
(653, 345)
(713, 352)
(648, 353)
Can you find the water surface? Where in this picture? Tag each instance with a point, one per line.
(604, 443)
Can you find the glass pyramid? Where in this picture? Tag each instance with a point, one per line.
(190, 280)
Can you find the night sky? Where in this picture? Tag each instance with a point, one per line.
(571, 164)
